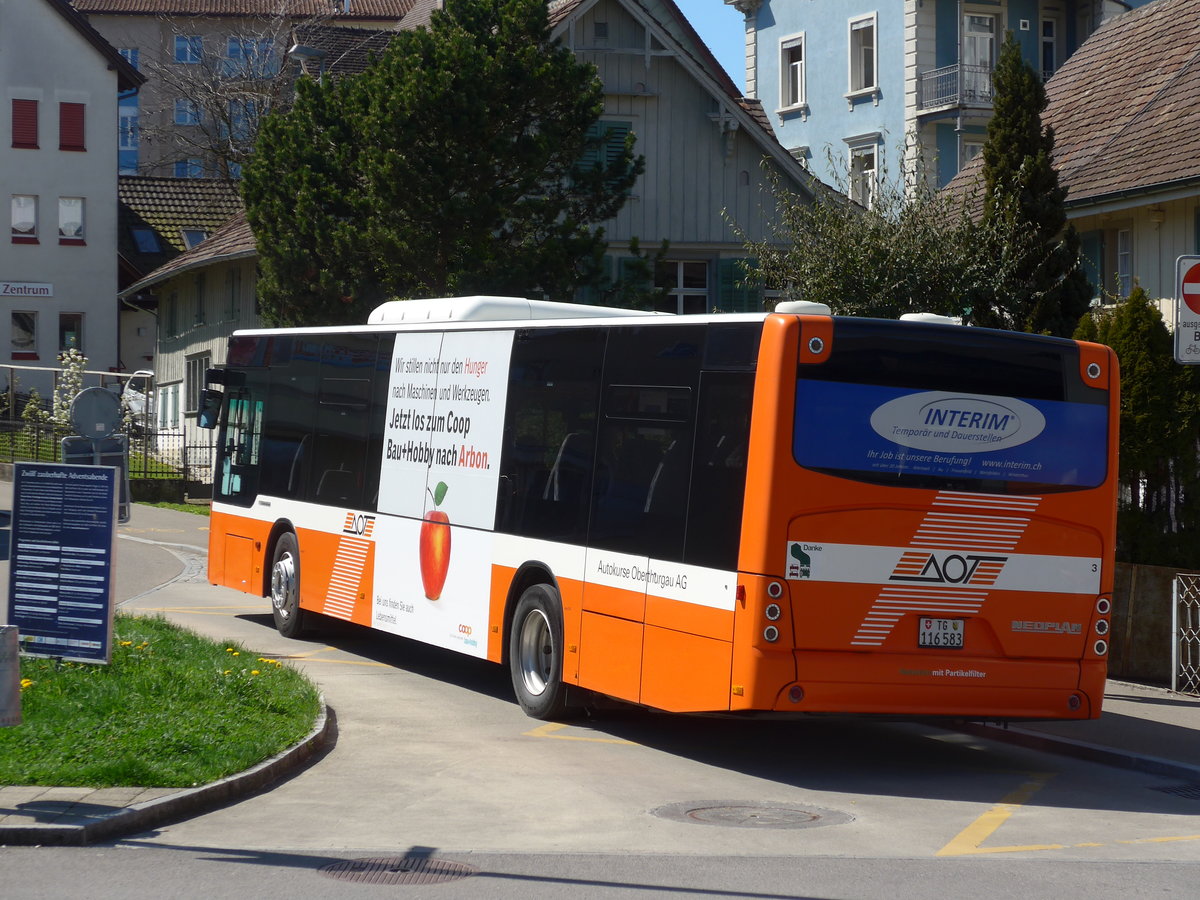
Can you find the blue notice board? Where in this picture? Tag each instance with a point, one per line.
(60, 583)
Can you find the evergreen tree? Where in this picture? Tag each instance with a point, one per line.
(468, 158)
(1157, 521)
(1043, 287)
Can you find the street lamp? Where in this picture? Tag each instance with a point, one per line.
(306, 54)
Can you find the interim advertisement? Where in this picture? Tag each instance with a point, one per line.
(951, 435)
(440, 473)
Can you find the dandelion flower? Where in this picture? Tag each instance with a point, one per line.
(254, 671)
(126, 643)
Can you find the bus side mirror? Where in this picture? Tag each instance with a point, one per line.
(210, 408)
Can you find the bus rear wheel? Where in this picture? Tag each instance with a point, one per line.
(535, 653)
(285, 587)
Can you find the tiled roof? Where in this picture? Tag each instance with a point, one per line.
(167, 206)
(234, 240)
(358, 9)
(349, 49)
(1125, 108)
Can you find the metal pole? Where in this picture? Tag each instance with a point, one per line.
(1175, 633)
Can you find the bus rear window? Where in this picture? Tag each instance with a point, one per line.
(951, 408)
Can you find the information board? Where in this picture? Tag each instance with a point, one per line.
(60, 583)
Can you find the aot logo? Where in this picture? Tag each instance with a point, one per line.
(948, 568)
(957, 423)
(358, 524)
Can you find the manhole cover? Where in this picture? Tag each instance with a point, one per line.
(398, 870)
(752, 815)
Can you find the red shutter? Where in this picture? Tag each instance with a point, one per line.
(24, 124)
(70, 126)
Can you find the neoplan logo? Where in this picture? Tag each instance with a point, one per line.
(949, 568)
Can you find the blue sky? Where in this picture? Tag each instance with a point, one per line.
(723, 29)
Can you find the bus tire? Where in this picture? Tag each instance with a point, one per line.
(285, 587)
(535, 653)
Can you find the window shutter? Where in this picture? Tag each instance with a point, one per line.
(733, 293)
(70, 126)
(25, 124)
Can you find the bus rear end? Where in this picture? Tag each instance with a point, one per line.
(929, 522)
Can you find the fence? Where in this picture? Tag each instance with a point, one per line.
(1185, 634)
(153, 455)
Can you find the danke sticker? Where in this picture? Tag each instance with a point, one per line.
(957, 423)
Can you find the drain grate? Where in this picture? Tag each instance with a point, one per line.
(1187, 791)
(751, 815)
(398, 870)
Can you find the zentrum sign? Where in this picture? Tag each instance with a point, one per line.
(25, 289)
(957, 423)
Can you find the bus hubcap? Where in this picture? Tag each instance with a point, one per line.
(537, 651)
(283, 582)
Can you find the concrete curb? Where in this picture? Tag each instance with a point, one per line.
(187, 802)
(1064, 746)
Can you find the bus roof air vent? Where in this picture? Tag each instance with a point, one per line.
(487, 309)
(802, 308)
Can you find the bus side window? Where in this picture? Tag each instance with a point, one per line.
(550, 435)
(719, 476)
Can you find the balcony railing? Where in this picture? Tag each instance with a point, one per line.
(955, 85)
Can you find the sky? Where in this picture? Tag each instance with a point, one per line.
(723, 29)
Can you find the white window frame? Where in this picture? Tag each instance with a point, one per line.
(793, 74)
(864, 179)
(25, 211)
(24, 340)
(64, 317)
(680, 292)
(1125, 261)
(187, 112)
(189, 49)
(71, 218)
(860, 80)
(1049, 42)
(969, 149)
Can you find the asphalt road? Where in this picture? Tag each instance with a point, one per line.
(437, 773)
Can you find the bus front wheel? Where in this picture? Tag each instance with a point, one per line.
(285, 587)
(535, 654)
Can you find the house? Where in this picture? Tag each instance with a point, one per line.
(58, 169)
(706, 149)
(859, 89)
(1125, 149)
(157, 219)
(213, 68)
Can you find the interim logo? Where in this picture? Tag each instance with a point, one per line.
(957, 423)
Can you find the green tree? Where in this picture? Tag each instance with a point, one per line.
(911, 250)
(1042, 287)
(466, 158)
(1157, 521)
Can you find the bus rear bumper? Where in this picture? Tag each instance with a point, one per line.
(964, 688)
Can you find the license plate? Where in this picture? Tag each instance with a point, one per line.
(946, 634)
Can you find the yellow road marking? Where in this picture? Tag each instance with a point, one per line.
(969, 841)
(548, 731)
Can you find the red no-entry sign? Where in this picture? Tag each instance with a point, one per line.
(1187, 310)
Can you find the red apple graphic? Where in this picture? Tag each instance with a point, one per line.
(435, 545)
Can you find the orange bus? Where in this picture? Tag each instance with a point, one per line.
(789, 512)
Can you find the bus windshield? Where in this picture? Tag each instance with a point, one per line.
(986, 411)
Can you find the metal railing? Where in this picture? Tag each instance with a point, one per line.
(955, 85)
(1185, 634)
(152, 454)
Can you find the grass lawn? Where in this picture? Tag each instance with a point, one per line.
(197, 509)
(173, 709)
